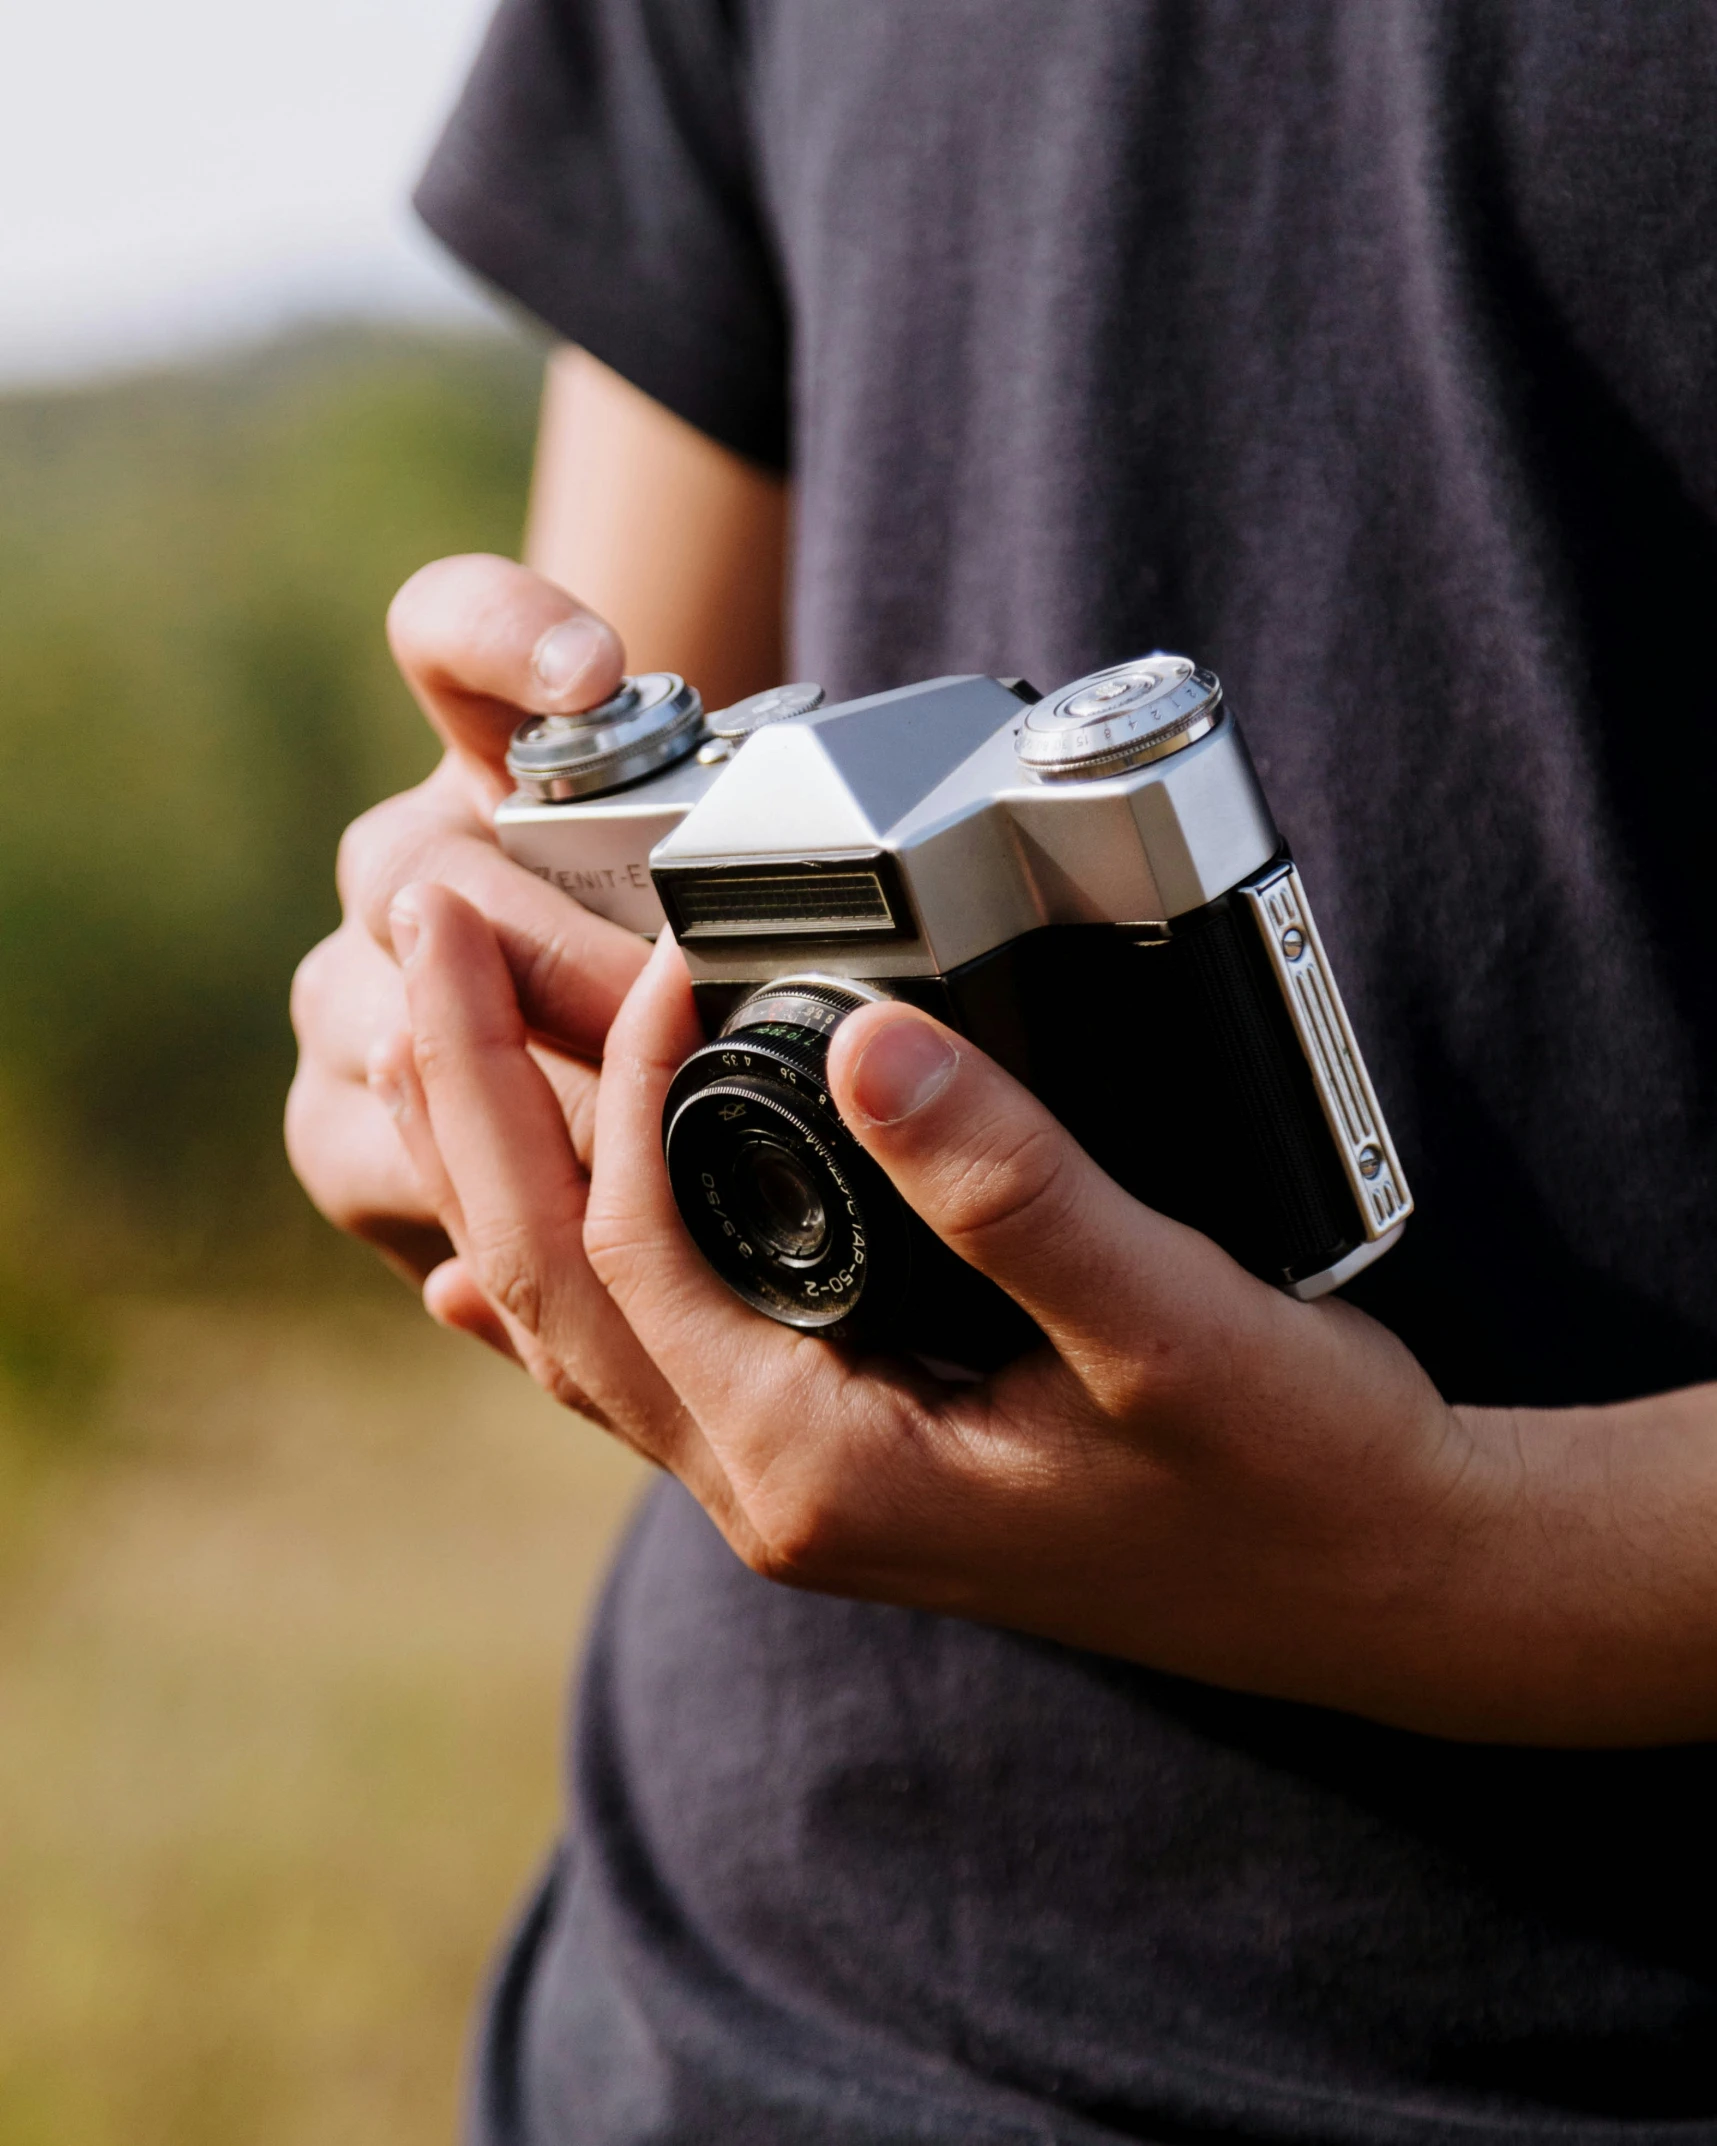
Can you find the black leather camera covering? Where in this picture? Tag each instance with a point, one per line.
(1174, 1064)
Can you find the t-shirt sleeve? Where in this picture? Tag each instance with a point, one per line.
(598, 168)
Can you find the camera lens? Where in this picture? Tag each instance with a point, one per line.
(792, 1213)
(782, 1200)
(778, 1200)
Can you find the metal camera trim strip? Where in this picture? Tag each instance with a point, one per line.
(1350, 1105)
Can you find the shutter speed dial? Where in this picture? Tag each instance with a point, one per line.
(1120, 718)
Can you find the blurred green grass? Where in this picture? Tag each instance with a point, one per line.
(195, 697)
(287, 1578)
(280, 1694)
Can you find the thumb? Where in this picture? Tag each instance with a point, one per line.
(482, 640)
(1008, 1188)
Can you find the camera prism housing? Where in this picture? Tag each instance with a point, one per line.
(1091, 888)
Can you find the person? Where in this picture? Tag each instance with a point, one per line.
(1238, 1718)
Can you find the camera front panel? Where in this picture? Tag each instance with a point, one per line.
(597, 849)
(1173, 1058)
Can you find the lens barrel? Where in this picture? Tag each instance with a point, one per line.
(789, 1209)
(783, 1202)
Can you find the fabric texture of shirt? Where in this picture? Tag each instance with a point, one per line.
(1365, 350)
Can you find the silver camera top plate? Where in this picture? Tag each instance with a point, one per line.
(928, 779)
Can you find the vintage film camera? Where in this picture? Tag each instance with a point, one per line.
(1088, 885)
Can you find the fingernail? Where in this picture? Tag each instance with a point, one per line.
(902, 1067)
(403, 924)
(566, 652)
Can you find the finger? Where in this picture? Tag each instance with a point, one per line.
(729, 1361)
(391, 1077)
(834, 1459)
(348, 1157)
(452, 1299)
(999, 1180)
(395, 1082)
(346, 993)
(515, 1195)
(632, 1231)
(451, 1293)
(571, 968)
(576, 1084)
(481, 639)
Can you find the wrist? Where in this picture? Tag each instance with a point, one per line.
(1579, 1599)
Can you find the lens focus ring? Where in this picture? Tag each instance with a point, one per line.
(789, 1209)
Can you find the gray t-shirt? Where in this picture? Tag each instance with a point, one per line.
(1366, 349)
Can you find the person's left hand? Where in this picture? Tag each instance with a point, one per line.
(1194, 1471)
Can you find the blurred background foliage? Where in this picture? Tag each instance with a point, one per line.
(288, 1578)
(195, 697)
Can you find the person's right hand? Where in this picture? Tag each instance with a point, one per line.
(480, 641)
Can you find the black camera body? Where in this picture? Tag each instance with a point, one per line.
(1091, 888)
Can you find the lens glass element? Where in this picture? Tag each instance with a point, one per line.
(777, 1200)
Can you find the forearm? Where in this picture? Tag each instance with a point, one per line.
(674, 539)
(1581, 1599)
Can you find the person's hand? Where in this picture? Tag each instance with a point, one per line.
(480, 640)
(1194, 1471)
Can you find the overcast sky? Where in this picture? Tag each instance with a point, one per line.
(176, 172)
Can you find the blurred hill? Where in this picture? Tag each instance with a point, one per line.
(194, 699)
